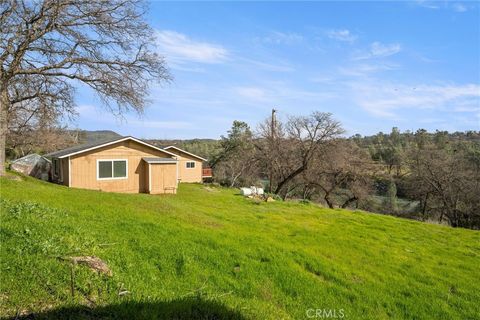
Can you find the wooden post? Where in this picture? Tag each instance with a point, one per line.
(72, 279)
(273, 124)
(272, 145)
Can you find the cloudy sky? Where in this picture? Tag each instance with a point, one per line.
(374, 65)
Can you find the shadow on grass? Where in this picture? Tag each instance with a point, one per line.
(191, 308)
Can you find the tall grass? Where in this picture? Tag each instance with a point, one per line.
(210, 253)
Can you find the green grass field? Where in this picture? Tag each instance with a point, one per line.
(209, 253)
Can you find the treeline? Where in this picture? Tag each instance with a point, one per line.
(206, 148)
(25, 138)
(419, 175)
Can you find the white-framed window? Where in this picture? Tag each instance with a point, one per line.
(190, 164)
(112, 169)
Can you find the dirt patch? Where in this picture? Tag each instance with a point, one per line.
(357, 279)
(214, 225)
(210, 189)
(10, 176)
(94, 263)
(266, 291)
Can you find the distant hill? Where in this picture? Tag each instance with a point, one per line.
(206, 148)
(177, 142)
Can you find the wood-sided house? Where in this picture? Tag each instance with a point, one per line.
(124, 164)
(190, 166)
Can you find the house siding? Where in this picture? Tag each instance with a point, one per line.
(84, 167)
(188, 174)
(64, 174)
(164, 178)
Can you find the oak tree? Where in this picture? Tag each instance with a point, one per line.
(47, 47)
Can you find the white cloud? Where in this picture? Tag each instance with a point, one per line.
(365, 69)
(386, 99)
(252, 93)
(341, 35)
(131, 120)
(322, 79)
(379, 50)
(178, 47)
(160, 124)
(458, 7)
(279, 66)
(270, 93)
(432, 120)
(277, 37)
(446, 5)
(428, 4)
(466, 107)
(179, 50)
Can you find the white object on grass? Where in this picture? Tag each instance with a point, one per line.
(246, 191)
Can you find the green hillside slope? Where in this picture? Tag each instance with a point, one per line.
(211, 254)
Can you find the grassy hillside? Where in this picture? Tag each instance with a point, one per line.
(211, 253)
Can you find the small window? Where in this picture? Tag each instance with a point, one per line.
(112, 169)
(190, 165)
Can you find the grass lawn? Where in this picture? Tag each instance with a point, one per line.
(209, 253)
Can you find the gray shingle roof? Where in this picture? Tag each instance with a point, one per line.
(81, 147)
(84, 147)
(183, 151)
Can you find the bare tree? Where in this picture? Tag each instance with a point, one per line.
(53, 137)
(271, 149)
(295, 146)
(447, 182)
(47, 45)
(341, 174)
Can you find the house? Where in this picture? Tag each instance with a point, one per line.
(124, 164)
(189, 165)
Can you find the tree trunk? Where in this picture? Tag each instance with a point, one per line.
(327, 200)
(234, 179)
(350, 200)
(289, 178)
(307, 192)
(270, 181)
(4, 102)
(424, 207)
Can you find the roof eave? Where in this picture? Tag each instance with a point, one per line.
(110, 143)
(189, 153)
(161, 161)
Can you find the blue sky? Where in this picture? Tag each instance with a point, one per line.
(374, 65)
